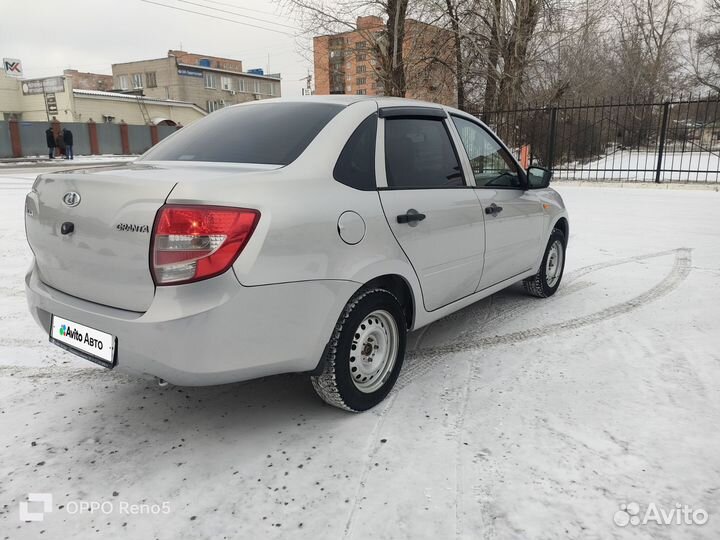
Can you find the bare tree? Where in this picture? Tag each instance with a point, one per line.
(704, 48)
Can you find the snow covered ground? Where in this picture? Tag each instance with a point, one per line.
(640, 166)
(515, 418)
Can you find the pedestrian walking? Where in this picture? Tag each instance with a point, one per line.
(68, 140)
(50, 142)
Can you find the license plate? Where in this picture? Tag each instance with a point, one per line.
(91, 344)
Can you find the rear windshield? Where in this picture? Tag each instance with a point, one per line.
(270, 133)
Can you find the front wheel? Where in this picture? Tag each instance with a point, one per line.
(547, 279)
(365, 353)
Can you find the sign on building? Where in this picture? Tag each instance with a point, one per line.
(43, 86)
(189, 72)
(51, 103)
(12, 67)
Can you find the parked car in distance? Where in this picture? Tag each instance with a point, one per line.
(305, 235)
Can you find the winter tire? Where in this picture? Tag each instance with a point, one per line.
(547, 280)
(365, 354)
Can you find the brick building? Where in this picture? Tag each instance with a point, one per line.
(210, 82)
(89, 81)
(346, 63)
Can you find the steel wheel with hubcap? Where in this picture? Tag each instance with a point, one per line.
(554, 264)
(373, 351)
(364, 356)
(548, 277)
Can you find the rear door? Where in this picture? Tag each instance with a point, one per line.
(513, 215)
(434, 215)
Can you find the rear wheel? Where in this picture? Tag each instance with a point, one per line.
(365, 353)
(547, 280)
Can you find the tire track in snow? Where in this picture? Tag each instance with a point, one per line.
(374, 448)
(423, 360)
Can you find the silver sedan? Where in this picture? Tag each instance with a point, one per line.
(280, 236)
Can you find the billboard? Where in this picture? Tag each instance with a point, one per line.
(43, 86)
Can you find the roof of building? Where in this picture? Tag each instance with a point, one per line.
(134, 97)
(271, 77)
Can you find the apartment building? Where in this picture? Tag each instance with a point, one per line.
(210, 82)
(346, 63)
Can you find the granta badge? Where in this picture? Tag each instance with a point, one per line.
(131, 227)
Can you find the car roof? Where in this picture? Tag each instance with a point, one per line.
(346, 100)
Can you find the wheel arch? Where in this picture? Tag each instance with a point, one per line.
(564, 226)
(400, 287)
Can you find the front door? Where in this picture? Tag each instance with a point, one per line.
(513, 215)
(435, 217)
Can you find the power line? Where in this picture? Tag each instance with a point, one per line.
(240, 7)
(237, 14)
(218, 17)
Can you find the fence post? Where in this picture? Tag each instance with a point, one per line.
(93, 136)
(154, 136)
(15, 140)
(124, 138)
(661, 147)
(551, 137)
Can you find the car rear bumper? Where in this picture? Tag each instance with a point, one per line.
(211, 332)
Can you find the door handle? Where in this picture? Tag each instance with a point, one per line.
(493, 209)
(411, 217)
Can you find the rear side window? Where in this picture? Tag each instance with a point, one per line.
(419, 154)
(356, 165)
(272, 133)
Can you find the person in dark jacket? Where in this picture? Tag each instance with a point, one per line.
(50, 142)
(68, 140)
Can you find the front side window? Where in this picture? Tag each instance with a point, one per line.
(419, 154)
(273, 134)
(491, 164)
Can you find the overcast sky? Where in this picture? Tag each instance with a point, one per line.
(90, 35)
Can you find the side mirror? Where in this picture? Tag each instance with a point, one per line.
(538, 177)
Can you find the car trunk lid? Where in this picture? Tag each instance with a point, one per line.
(106, 257)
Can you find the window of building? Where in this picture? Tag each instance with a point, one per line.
(273, 89)
(361, 57)
(124, 82)
(256, 87)
(361, 80)
(356, 165)
(362, 69)
(215, 104)
(361, 92)
(210, 80)
(151, 79)
(225, 83)
(242, 85)
(420, 155)
(137, 80)
(348, 88)
(249, 134)
(361, 44)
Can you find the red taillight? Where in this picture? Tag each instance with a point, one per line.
(191, 243)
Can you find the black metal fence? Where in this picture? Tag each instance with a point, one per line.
(673, 140)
